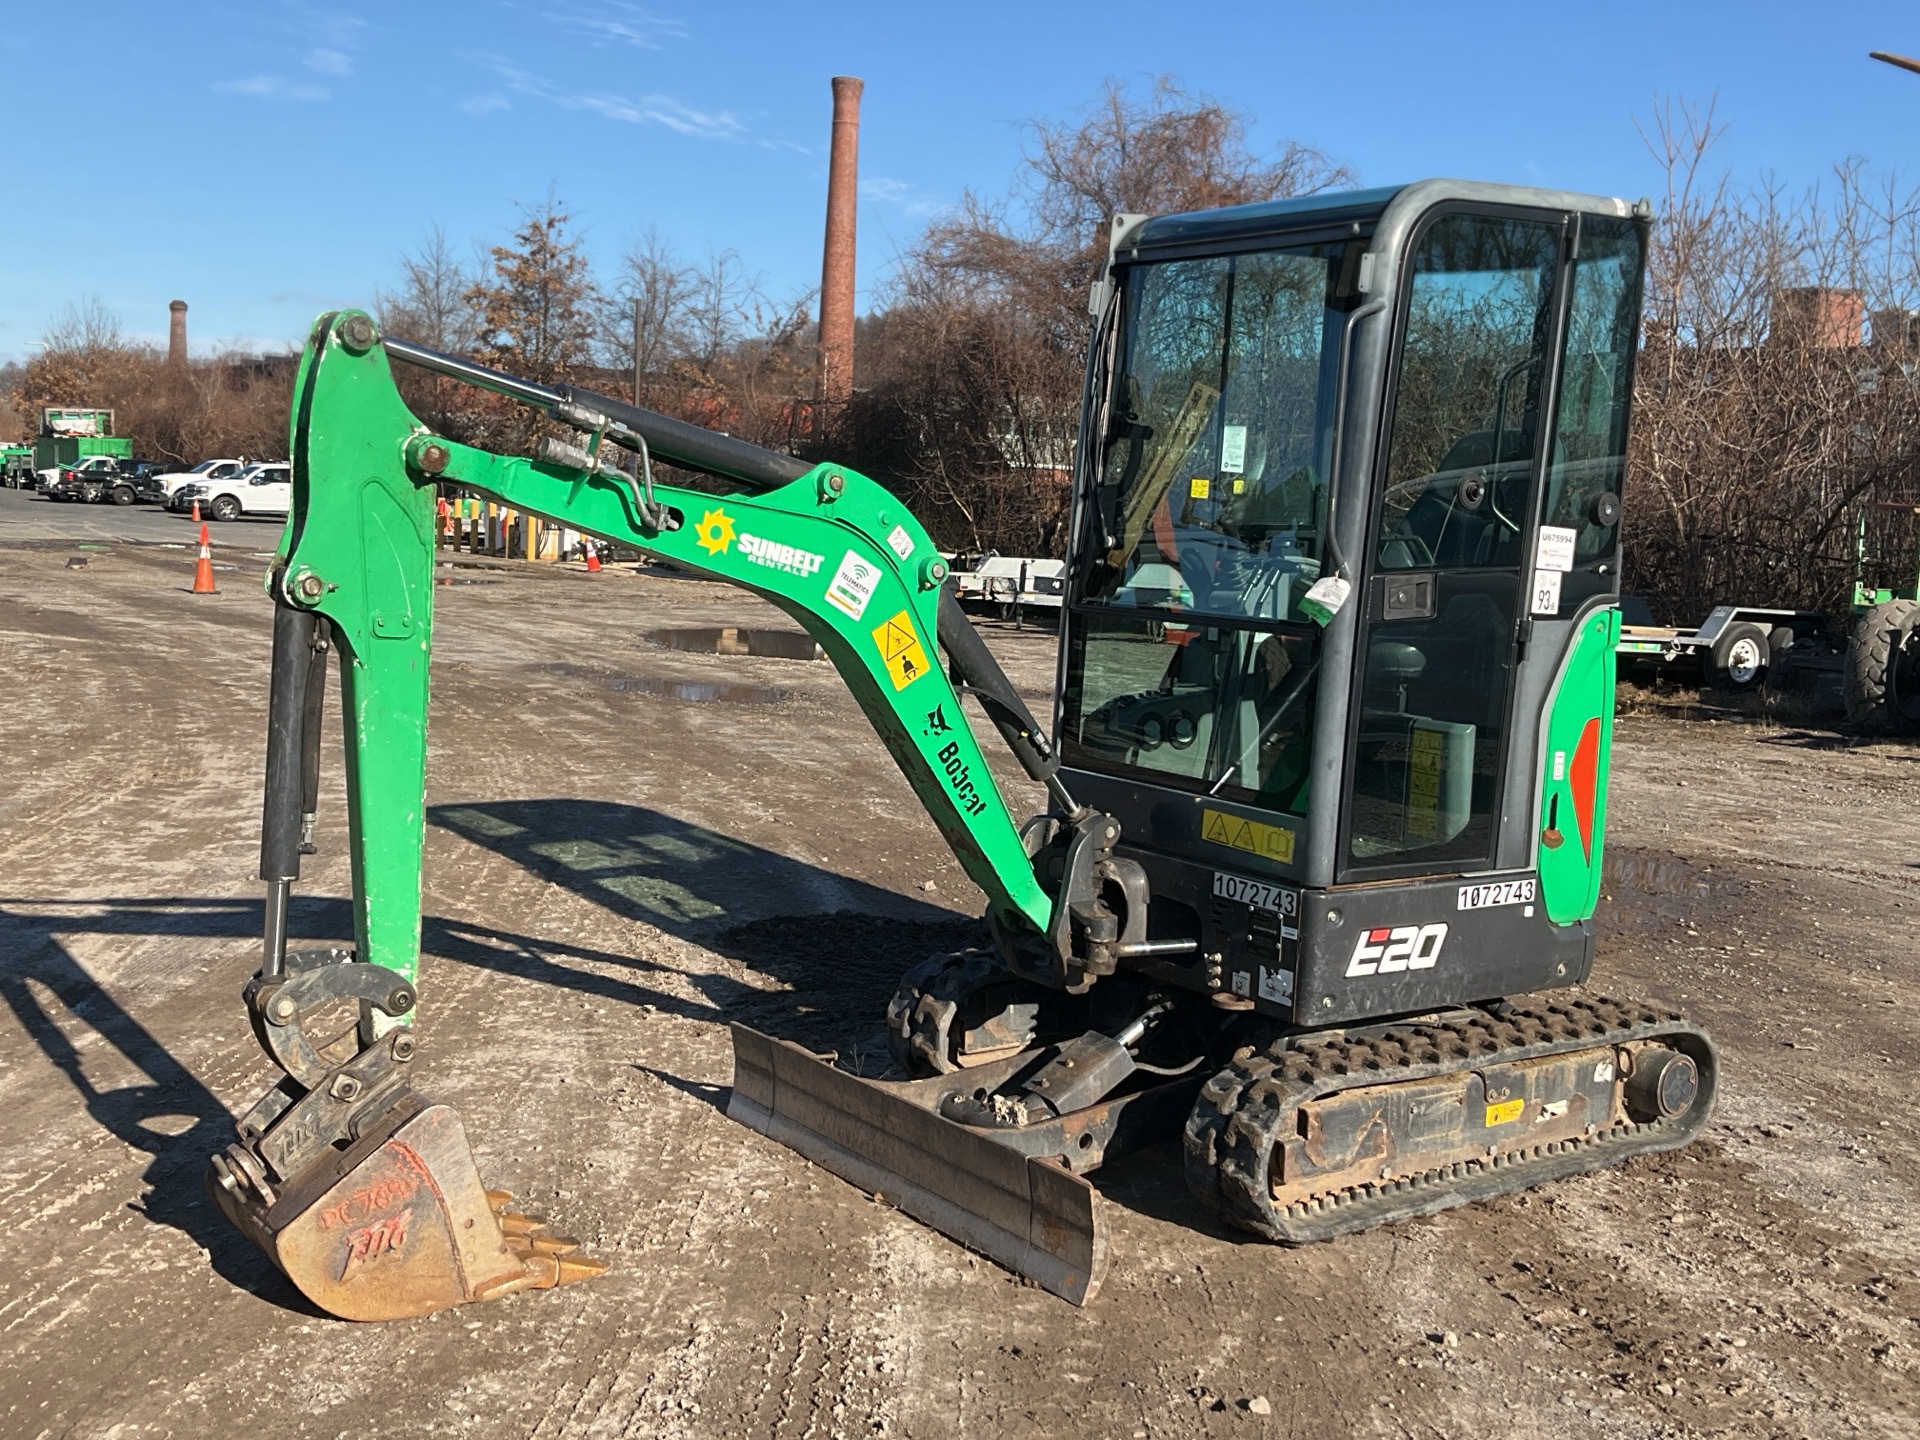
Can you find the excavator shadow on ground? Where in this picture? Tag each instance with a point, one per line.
(167, 1114)
(833, 947)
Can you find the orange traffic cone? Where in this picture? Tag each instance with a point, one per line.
(196, 512)
(593, 558)
(203, 572)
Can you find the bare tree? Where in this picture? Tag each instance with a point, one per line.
(432, 305)
(967, 392)
(1765, 430)
(721, 299)
(84, 329)
(655, 280)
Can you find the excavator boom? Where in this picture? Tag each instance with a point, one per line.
(363, 1192)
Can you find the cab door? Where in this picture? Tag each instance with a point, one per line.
(1445, 581)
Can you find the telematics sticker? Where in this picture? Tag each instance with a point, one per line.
(853, 585)
(1501, 892)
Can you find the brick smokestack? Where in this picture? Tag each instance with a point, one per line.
(834, 386)
(177, 334)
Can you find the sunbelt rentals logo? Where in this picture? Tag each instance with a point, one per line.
(716, 535)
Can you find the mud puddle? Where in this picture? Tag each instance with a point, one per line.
(1645, 889)
(733, 640)
(697, 692)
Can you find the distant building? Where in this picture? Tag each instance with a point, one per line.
(1824, 317)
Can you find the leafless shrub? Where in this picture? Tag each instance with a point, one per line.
(1763, 426)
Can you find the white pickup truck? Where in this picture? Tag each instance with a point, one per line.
(264, 489)
(164, 486)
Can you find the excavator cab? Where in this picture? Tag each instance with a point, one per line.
(1326, 783)
(1351, 507)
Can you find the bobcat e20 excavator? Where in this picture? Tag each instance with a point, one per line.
(1327, 780)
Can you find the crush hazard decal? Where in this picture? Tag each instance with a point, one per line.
(900, 650)
(1403, 947)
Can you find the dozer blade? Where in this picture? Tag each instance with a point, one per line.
(396, 1225)
(1028, 1213)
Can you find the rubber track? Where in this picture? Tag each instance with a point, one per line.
(1248, 1108)
(921, 1013)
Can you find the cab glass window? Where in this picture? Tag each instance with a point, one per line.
(1467, 409)
(1212, 491)
(1590, 439)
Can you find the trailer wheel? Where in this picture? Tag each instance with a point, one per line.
(1739, 659)
(1780, 640)
(1882, 684)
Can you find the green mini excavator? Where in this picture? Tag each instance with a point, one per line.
(1326, 780)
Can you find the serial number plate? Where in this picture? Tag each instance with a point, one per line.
(1501, 892)
(1262, 894)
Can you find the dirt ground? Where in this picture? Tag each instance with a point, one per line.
(614, 873)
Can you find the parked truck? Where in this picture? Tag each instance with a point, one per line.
(70, 434)
(16, 465)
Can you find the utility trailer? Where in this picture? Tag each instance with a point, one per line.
(1733, 647)
(1006, 584)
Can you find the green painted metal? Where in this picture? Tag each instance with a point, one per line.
(833, 549)
(358, 548)
(1574, 772)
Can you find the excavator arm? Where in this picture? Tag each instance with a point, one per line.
(361, 1190)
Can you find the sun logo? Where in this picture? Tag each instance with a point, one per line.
(715, 531)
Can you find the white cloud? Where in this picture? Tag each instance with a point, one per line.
(329, 62)
(662, 110)
(484, 104)
(883, 190)
(615, 22)
(332, 29)
(272, 87)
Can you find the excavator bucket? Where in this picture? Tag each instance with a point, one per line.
(1025, 1211)
(396, 1224)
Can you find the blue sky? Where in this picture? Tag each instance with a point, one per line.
(268, 160)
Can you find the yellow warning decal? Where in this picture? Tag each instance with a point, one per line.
(1200, 487)
(900, 648)
(1505, 1112)
(1271, 842)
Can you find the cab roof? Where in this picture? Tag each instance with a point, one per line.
(1338, 211)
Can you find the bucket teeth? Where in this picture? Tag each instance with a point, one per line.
(549, 1272)
(498, 1200)
(513, 1223)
